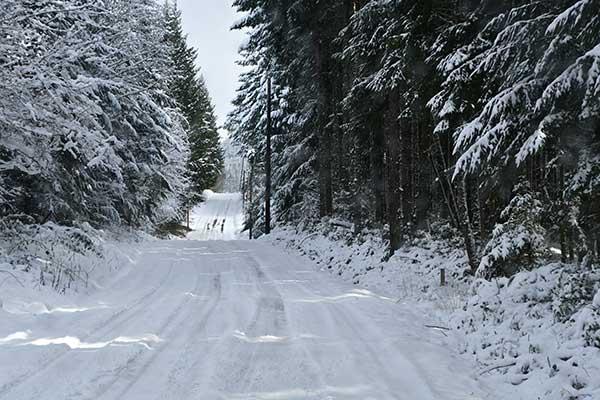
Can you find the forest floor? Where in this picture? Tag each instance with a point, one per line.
(199, 319)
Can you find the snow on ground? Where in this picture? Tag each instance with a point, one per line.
(534, 336)
(219, 217)
(227, 320)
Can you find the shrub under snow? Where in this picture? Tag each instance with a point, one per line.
(519, 240)
(54, 256)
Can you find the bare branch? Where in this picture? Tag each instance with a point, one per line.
(12, 276)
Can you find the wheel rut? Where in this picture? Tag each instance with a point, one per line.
(136, 365)
(114, 321)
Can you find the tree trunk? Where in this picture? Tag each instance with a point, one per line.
(405, 134)
(467, 229)
(423, 199)
(324, 111)
(393, 191)
(377, 166)
(440, 166)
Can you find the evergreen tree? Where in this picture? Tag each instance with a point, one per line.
(518, 240)
(99, 141)
(188, 88)
(396, 113)
(206, 159)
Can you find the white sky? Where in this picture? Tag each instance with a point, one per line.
(207, 24)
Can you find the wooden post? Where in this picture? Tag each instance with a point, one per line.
(250, 198)
(241, 177)
(268, 163)
(442, 277)
(242, 182)
(243, 188)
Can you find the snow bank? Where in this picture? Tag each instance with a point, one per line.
(54, 258)
(48, 272)
(538, 330)
(412, 273)
(534, 336)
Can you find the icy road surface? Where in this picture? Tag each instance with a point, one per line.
(220, 217)
(210, 320)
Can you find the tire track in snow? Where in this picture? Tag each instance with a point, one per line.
(107, 325)
(209, 358)
(238, 363)
(132, 361)
(310, 366)
(361, 343)
(216, 288)
(364, 334)
(178, 383)
(365, 350)
(268, 342)
(217, 217)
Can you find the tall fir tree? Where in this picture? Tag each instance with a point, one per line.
(396, 114)
(87, 133)
(188, 88)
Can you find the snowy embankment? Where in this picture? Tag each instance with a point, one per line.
(48, 276)
(45, 265)
(533, 336)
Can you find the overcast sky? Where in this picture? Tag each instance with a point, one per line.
(207, 23)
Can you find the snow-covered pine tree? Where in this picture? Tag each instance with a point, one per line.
(89, 137)
(206, 154)
(404, 113)
(364, 109)
(520, 96)
(188, 88)
(518, 240)
(87, 132)
(388, 43)
(274, 51)
(152, 128)
(42, 139)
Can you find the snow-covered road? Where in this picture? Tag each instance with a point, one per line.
(219, 217)
(228, 320)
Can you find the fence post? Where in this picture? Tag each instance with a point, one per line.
(442, 277)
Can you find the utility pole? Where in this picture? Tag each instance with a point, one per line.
(250, 197)
(268, 162)
(242, 182)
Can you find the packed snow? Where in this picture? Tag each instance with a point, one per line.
(189, 319)
(219, 217)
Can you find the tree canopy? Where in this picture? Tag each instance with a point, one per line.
(399, 114)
